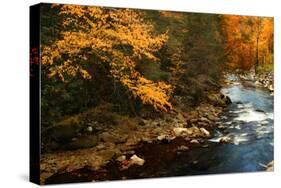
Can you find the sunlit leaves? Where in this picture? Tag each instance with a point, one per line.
(246, 38)
(117, 37)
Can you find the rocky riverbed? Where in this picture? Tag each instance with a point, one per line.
(119, 143)
(221, 135)
(265, 79)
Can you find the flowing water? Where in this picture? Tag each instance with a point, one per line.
(249, 129)
(242, 143)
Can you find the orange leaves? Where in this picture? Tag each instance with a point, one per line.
(245, 38)
(117, 37)
(155, 94)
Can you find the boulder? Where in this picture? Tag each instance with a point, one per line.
(121, 158)
(205, 132)
(165, 138)
(270, 87)
(212, 117)
(182, 148)
(180, 131)
(90, 129)
(270, 166)
(135, 160)
(161, 137)
(194, 141)
(203, 119)
(228, 100)
(222, 127)
(64, 133)
(218, 99)
(259, 110)
(81, 142)
(225, 139)
(113, 137)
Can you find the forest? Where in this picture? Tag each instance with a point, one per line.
(119, 86)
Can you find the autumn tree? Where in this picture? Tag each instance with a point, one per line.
(248, 40)
(114, 38)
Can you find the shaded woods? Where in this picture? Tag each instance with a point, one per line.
(106, 67)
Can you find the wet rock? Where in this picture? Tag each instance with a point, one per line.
(180, 131)
(218, 99)
(64, 132)
(239, 102)
(161, 137)
(121, 158)
(222, 127)
(212, 117)
(193, 121)
(90, 129)
(165, 138)
(195, 162)
(270, 87)
(101, 146)
(141, 122)
(203, 119)
(203, 124)
(265, 122)
(225, 139)
(228, 100)
(270, 166)
(108, 154)
(82, 142)
(205, 132)
(259, 110)
(147, 139)
(113, 137)
(136, 160)
(183, 148)
(194, 141)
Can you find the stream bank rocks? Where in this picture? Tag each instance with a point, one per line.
(270, 166)
(118, 142)
(265, 80)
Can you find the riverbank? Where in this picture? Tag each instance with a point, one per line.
(265, 80)
(262, 79)
(118, 143)
(194, 141)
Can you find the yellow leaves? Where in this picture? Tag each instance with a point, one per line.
(97, 31)
(242, 34)
(76, 10)
(85, 74)
(70, 69)
(155, 94)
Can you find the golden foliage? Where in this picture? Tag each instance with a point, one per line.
(245, 38)
(118, 37)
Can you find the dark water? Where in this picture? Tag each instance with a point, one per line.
(247, 125)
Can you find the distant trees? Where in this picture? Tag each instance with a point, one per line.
(248, 40)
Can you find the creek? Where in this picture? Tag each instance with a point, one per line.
(243, 142)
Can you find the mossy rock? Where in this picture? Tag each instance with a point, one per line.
(82, 142)
(65, 130)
